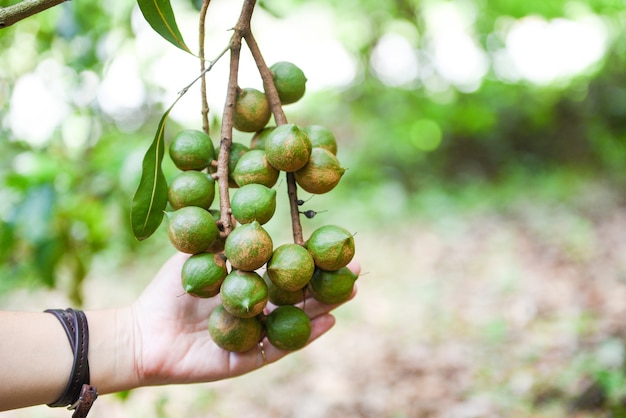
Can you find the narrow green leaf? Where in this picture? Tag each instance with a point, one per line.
(159, 14)
(150, 200)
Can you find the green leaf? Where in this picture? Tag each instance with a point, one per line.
(150, 200)
(159, 14)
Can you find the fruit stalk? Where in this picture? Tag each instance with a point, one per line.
(226, 138)
(281, 119)
(292, 191)
(242, 28)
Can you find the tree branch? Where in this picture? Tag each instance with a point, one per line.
(13, 14)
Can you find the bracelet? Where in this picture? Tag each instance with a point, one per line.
(78, 394)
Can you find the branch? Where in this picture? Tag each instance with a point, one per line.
(13, 14)
(281, 119)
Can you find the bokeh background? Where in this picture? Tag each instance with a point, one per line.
(485, 143)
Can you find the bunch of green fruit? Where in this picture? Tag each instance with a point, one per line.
(244, 267)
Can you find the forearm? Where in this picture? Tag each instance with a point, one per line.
(36, 358)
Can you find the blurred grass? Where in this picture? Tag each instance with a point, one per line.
(476, 300)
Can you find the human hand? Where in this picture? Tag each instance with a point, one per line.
(171, 338)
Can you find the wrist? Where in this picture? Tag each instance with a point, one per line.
(112, 350)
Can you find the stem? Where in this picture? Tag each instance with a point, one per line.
(281, 119)
(296, 226)
(241, 29)
(203, 94)
(268, 80)
(13, 14)
(226, 140)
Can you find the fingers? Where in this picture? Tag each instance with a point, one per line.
(313, 308)
(265, 353)
(321, 322)
(355, 267)
(319, 326)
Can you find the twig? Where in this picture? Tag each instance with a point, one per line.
(281, 119)
(13, 14)
(209, 68)
(203, 93)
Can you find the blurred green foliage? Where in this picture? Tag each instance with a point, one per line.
(63, 203)
(499, 128)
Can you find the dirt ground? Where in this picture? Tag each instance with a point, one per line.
(516, 311)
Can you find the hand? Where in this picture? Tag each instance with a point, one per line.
(172, 342)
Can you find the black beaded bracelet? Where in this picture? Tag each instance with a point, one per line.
(74, 323)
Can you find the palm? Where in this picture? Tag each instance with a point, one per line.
(173, 344)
